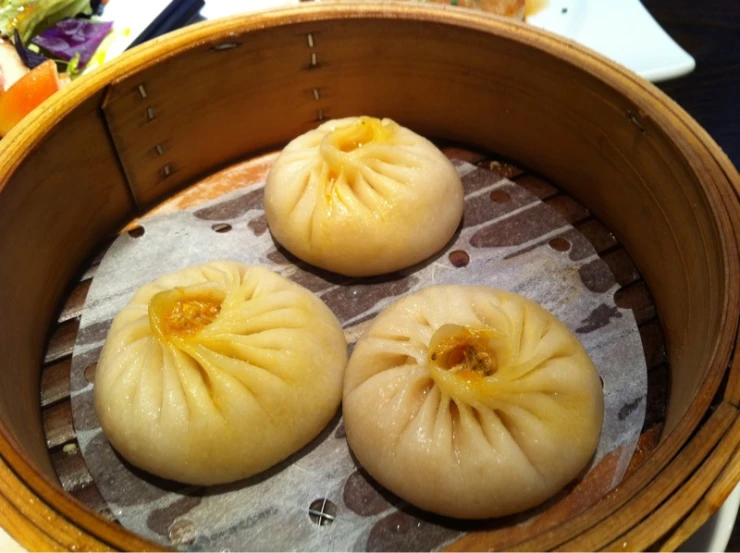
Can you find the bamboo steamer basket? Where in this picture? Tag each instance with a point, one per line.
(87, 161)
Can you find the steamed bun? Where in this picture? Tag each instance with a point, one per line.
(471, 402)
(362, 196)
(217, 372)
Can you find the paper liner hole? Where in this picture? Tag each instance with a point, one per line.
(560, 244)
(221, 227)
(322, 512)
(500, 196)
(459, 258)
(90, 372)
(136, 232)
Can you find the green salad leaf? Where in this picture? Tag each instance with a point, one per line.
(30, 17)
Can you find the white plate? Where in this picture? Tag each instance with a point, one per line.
(715, 534)
(622, 30)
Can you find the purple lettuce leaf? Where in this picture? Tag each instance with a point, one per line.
(72, 36)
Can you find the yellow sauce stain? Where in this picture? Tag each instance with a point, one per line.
(350, 145)
(364, 131)
(350, 140)
(532, 7)
(180, 313)
(464, 351)
(470, 375)
(190, 316)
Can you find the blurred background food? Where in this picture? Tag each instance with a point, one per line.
(80, 35)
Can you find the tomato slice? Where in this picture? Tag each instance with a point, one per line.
(27, 93)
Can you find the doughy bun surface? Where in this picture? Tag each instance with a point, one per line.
(471, 402)
(362, 196)
(217, 372)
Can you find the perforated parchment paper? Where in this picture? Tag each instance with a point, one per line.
(320, 499)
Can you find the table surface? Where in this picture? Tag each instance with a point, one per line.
(710, 31)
